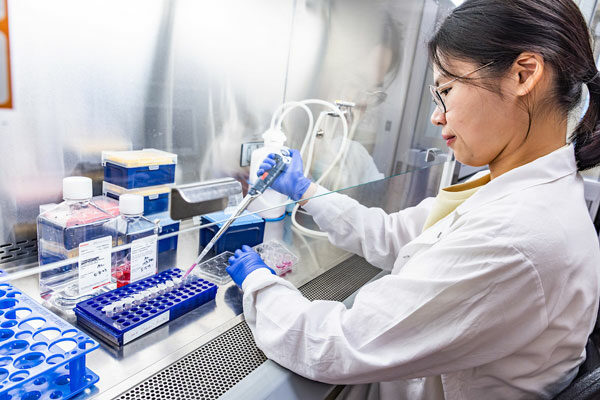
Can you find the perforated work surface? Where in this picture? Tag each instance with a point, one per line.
(17, 251)
(217, 366)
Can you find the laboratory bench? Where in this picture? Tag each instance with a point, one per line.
(209, 352)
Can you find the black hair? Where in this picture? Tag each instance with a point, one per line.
(498, 31)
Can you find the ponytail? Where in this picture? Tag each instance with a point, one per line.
(587, 133)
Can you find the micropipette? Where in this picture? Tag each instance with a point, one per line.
(266, 180)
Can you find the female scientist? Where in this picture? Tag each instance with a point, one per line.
(494, 284)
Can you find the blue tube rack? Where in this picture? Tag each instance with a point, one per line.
(127, 325)
(41, 355)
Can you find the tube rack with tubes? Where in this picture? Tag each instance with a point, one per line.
(126, 313)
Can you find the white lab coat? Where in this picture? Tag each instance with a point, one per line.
(495, 301)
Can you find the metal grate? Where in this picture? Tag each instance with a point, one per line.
(341, 281)
(16, 251)
(217, 366)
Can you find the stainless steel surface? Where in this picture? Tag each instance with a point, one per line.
(216, 367)
(200, 198)
(121, 369)
(197, 78)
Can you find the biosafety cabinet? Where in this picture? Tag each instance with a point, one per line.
(202, 81)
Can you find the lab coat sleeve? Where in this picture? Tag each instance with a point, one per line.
(368, 232)
(465, 302)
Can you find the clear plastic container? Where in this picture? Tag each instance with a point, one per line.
(140, 261)
(108, 204)
(215, 269)
(61, 231)
(271, 199)
(277, 256)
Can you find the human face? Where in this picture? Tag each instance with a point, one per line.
(478, 123)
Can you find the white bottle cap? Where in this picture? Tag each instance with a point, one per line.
(77, 188)
(274, 136)
(131, 204)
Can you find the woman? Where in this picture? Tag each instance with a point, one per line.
(494, 285)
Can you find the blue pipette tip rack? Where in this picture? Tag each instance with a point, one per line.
(41, 355)
(126, 313)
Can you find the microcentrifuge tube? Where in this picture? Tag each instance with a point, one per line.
(118, 307)
(161, 288)
(170, 285)
(127, 303)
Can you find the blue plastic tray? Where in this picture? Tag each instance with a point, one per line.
(126, 326)
(41, 355)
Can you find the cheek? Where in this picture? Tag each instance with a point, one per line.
(479, 127)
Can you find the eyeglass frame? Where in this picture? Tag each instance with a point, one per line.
(435, 90)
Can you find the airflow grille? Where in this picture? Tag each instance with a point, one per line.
(10, 252)
(217, 366)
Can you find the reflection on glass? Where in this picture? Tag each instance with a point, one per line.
(199, 79)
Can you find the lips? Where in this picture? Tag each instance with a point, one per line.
(449, 139)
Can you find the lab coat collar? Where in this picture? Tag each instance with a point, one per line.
(548, 168)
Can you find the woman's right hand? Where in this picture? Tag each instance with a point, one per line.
(292, 181)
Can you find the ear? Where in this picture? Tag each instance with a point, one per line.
(527, 71)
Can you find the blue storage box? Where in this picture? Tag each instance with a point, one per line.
(126, 313)
(139, 168)
(248, 229)
(156, 198)
(43, 356)
(167, 225)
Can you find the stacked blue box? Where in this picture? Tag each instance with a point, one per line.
(167, 225)
(41, 355)
(248, 229)
(156, 198)
(147, 173)
(139, 168)
(126, 313)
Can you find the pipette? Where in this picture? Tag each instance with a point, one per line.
(281, 162)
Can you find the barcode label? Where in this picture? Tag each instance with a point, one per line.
(145, 327)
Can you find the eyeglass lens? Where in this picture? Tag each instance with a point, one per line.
(437, 99)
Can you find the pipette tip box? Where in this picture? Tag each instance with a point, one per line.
(126, 313)
(139, 168)
(156, 198)
(41, 355)
(248, 229)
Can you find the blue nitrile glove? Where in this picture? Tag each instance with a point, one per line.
(243, 262)
(292, 181)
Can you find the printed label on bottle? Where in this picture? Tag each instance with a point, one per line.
(143, 258)
(145, 327)
(94, 264)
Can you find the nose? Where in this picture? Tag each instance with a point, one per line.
(438, 118)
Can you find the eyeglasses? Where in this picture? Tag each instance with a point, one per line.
(436, 94)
